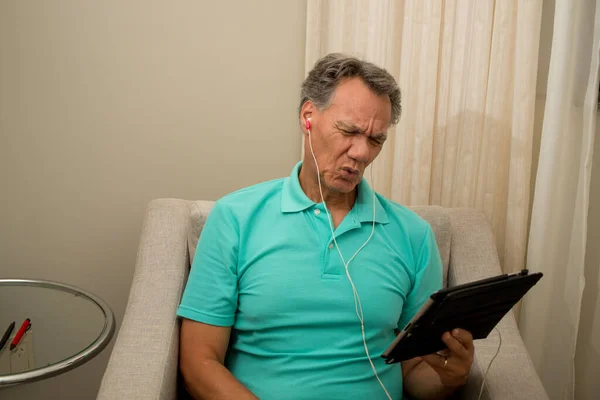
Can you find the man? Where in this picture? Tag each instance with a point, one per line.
(270, 308)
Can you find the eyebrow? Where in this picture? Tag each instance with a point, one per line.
(350, 127)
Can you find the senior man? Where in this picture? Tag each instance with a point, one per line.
(299, 284)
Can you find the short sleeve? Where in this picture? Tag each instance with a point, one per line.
(427, 280)
(211, 292)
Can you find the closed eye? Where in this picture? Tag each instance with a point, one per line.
(346, 129)
(377, 139)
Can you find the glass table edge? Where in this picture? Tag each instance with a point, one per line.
(77, 359)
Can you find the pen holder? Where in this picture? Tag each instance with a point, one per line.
(21, 358)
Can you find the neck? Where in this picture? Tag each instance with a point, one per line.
(333, 200)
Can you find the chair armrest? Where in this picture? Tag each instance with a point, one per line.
(473, 256)
(144, 361)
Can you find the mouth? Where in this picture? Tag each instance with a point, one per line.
(351, 173)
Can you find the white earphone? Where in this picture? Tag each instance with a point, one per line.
(357, 303)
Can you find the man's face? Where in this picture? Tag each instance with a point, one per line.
(347, 135)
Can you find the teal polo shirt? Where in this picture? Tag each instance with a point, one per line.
(266, 266)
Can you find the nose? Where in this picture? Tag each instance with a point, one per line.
(359, 149)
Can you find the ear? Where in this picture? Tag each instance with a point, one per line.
(306, 112)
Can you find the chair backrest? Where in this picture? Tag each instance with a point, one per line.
(435, 215)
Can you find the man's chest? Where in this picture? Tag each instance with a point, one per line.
(298, 277)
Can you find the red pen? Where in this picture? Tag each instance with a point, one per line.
(24, 328)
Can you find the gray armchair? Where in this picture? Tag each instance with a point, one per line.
(144, 360)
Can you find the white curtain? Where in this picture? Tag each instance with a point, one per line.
(467, 70)
(550, 314)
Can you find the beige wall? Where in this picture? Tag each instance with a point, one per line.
(107, 105)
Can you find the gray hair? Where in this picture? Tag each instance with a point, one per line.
(321, 82)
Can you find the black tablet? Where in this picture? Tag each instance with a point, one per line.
(476, 307)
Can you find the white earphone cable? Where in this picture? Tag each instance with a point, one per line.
(357, 302)
(490, 364)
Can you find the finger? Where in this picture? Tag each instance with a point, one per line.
(435, 361)
(465, 337)
(455, 346)
(454, 370)
(443, 353)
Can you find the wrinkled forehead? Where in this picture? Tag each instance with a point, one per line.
(363, 109)
(354, 102)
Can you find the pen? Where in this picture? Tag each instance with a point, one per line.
(24, 328)
(6, 335)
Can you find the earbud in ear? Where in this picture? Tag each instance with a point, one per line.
(307, 123)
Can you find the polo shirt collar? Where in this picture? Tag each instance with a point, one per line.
(364, 205)
(293, 199)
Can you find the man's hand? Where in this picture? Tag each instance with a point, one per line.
(453, 365)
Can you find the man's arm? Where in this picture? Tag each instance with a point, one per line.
(422, 382)
(202, 357)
